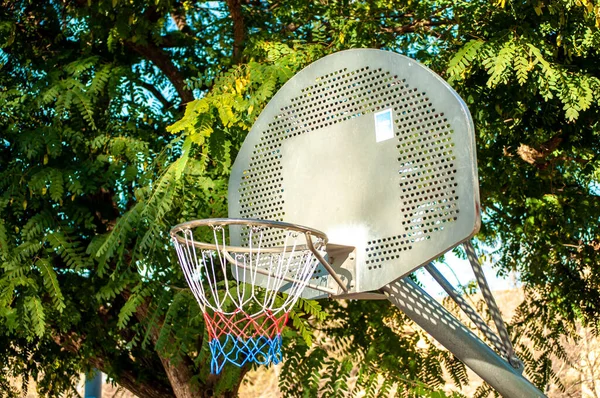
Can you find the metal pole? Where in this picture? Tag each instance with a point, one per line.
(449, 332)
(93, 385)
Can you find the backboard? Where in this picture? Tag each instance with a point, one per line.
(373, 149)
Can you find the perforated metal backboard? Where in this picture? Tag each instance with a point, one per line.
(373, 149)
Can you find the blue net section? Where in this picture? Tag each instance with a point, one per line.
(262, 350)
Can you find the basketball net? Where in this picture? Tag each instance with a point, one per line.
(237, 287)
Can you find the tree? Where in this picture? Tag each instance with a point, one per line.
(532, 84)
(92, 178)
(87, 93)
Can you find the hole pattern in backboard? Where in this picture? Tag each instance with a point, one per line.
(427, 188)
(427, 180)
(334, 98)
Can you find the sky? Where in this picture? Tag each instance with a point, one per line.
(459, 272)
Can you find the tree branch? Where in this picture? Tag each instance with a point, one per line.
(156, 93)
(179, 372)
(239, 30)
(180, 21)
(537, 156)
(163, 62)
(129, 381)
(414, 26)
(175, 39)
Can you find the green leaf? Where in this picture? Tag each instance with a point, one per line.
(300, 325)
(118, 235)
(463, 58)
(37, 315)
(131, 305)
(521, 65)
(497, 66)
(3, 239)
(51, 283)
(69, 249)
(85, 107)
(56, 185)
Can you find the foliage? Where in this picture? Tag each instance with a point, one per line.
(532, 85)
(121, 119)
(360, 349)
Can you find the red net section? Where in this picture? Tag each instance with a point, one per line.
(244, 326)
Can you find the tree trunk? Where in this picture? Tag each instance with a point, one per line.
(144, 390)
(239, 30)
(180, 376)
(129, 381)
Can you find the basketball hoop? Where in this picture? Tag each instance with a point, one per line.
(379, 153)
(237, 286)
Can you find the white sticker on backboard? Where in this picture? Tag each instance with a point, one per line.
(384, 127)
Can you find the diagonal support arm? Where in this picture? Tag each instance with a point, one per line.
(492, 306)
(449, 332)
(467, 309)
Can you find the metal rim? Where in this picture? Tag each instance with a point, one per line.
(223, 222)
